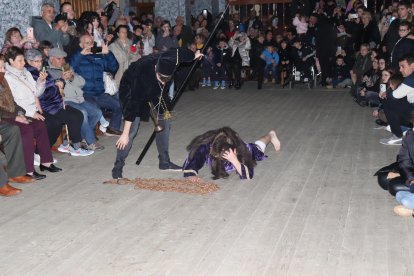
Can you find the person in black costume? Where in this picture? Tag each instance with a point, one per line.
(147, 81)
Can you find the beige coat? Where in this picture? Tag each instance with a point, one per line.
(124, 56)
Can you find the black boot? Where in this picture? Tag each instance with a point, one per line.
(166, 165)
(231, 84)
(238, 85)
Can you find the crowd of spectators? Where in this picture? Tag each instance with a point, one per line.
(64, 72)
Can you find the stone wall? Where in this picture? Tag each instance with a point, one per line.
(18, 13)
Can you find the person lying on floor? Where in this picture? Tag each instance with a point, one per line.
(224, 151)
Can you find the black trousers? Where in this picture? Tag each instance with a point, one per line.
(234, 70)
(398, 113)
(69, 116)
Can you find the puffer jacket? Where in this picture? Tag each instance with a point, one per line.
(91, 67)
(243, 47)
(51, 100)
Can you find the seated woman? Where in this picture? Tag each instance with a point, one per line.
(224, 151)
(14, 38)
(20, 107)
(54, 111)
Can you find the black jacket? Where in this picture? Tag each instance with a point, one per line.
(406, 156)
(139, 85)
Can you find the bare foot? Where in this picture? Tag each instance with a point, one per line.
(274, 140)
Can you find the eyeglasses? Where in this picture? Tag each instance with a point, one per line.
(37, 61)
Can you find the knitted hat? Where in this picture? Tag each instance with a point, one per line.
(168, 62)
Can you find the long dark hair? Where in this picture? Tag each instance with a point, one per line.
(220, 140)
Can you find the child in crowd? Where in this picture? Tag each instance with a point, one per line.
(271, 57)
(301, 25)
(222, 55)
(285, 62)
(340, 74)
(207, 65)
(137, 40)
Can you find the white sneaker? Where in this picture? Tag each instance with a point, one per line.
(305, 80)
(393, 140)
(388, 128)
(81, 152)
(102, 128)
(36, 159)
(104, 123)
(64, 149)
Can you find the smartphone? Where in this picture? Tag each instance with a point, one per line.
(205, 13)
(96, 50)
(65, 15)
(29, 32)
(383, 87)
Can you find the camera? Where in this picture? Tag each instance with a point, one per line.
(96, 50)
(352, 16)
(65, 15)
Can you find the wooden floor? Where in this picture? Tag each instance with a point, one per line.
(312, 209)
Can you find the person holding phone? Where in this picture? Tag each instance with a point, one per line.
(91, 67)
(15, 38)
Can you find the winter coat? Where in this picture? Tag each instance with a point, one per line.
(371, 35)
(340, 72)
(123, 56)
(222, 55)
(301, 27)
(243, 47)
(51, 100)
(24, 88)
(8, 107)
(91, 67)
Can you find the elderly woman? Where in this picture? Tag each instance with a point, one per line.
(54, 112)
(123, 52)
(25, 111)
(370, 31)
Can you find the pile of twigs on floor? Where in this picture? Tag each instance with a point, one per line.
(167, 185)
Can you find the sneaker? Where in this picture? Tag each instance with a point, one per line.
(102, 128)
(80, 152)
(170, 166)
(393, 140)
(208, 83)
(36, 160)
(104, 123)
(204, 83)
(305, 80)
(403, 211)
(64, 148)
(222, 87)
(95, 147)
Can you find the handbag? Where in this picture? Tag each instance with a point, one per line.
(110, 84)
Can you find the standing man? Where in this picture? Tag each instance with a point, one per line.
(148, 80)
(44, 30)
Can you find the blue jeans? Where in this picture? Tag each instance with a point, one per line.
(111, 103)
(91, 114)
(406, 199)
(270, 68)
(162, 140)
